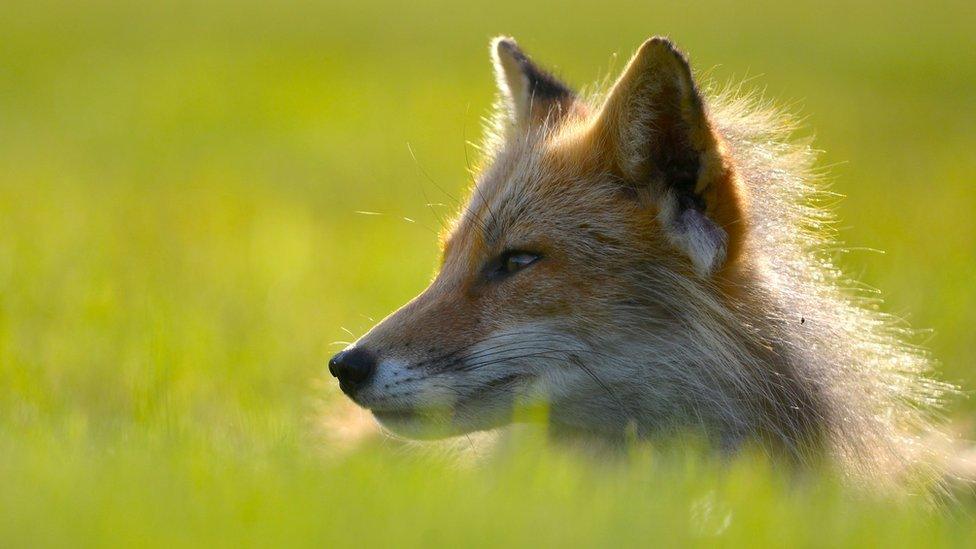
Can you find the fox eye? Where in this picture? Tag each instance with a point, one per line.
(515, 261)
(511, 262)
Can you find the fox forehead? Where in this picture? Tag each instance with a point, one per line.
(538, 191)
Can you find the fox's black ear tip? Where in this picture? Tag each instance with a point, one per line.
(663, 51)
(661, 45)
(662, 42)
(532, 94)
(506, 46)
(504, 42)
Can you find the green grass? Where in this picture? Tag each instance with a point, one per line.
(179, 250)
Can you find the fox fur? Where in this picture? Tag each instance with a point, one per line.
(651, 260)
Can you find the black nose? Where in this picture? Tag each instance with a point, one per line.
(352, 368)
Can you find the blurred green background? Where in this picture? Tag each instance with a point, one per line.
(180, 251)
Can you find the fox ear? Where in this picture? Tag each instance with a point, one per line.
(657, 132)
(531, 94)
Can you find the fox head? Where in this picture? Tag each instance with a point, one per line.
(588, 271)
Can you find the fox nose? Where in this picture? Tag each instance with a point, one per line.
(352, 368)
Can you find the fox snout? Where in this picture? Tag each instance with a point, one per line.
(353, 368)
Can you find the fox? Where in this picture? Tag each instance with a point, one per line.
(645, 261)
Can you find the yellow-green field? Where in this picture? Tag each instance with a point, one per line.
(180, 251)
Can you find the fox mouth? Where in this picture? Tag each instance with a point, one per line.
(490, 407)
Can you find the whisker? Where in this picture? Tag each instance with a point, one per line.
(477, 189)
(423, 191)
(480, 222)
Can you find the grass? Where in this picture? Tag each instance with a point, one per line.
(180, 248)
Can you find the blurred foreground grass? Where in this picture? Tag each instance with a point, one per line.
(180, 248)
